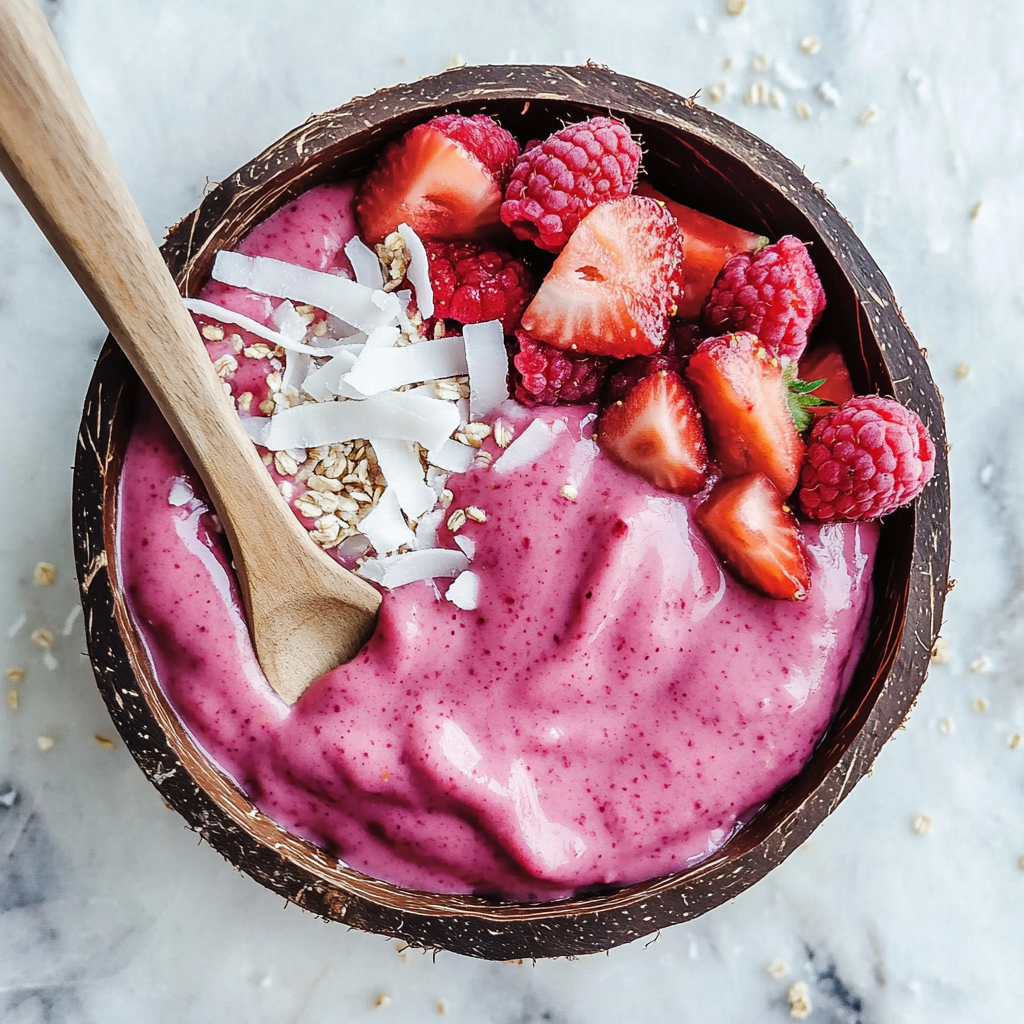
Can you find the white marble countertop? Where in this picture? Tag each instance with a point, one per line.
(109, 909)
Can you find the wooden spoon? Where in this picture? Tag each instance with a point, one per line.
(306, 613)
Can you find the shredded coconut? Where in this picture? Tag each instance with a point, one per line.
(413, 566)
(362, 307)
(526, 449)
(384, 369)
(364, 262)
(418, 271)
(487, 363)
(464, 592)
(385, 527)
(392, 416)
(404, 473)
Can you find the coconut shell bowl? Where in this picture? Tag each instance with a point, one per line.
(708, 163)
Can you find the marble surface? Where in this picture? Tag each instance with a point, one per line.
(110, 910)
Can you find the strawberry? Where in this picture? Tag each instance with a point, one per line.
(608, 292)
(445, 179)
(708, 243)
(756, 535)
(656, 432)
(743, 395)
(825, 363)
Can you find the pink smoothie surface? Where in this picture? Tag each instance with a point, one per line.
(611, 711)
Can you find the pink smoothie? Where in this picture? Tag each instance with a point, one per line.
(610, 712)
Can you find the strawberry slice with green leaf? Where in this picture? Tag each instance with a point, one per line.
(610, 290)
(708, 244)
(743, 394)
(824, 363)
(432, 180)
(755, 534)
(804, 405)
(656, 432)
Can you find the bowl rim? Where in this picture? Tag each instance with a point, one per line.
(477, 926)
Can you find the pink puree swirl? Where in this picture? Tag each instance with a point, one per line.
(612, 709)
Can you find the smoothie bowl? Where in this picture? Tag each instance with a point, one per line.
(590, 722)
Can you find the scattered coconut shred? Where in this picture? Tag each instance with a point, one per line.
(367, 417)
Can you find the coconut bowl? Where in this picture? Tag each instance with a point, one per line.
(696, 157)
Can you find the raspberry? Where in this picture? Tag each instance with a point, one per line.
(624, 374)
(775, 294)
(491, 144)
(556, 182)
(473, 283)
(865, 459)
(546, 375)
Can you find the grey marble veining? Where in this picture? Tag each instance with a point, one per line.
(109, 909)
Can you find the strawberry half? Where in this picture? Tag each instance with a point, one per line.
(656, 433)
(708, 243)
(755, 534)
(741, 392)
(609, 291)
(825, 363)
(430, 180)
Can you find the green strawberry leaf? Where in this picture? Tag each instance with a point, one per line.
(800, 399)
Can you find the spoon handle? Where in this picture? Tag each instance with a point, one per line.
(52, 153)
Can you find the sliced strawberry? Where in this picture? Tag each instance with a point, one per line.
(755, 534)
(608, 292)
(656, 432)
(742, 394)
(432, 183)
(825, 362)
(707, 245)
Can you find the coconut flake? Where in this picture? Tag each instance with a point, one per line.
(364, 262)
(393, 416)
(181, 492)
(296, 370)
(383, 337)
(362, 307)
(288, 321)
(413, 566)
(15, 626)
(487, 363)
(382, 369)
(427, 527)
(418, 271)
(256, 427)
(437, 479)
(229, 316)
(464, 592)
(527, 448)
(453, 456)
(403, 472)
(385, 527)
(324, 383)
(404, 297)
(467, 544)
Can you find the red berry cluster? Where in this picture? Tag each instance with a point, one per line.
(687, 330)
